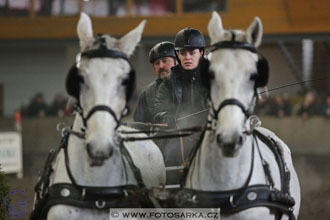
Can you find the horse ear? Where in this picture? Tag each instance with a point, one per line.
(254, 32)
(215, 28)
(85, 31)
(128, 42)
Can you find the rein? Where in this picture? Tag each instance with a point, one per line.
(232, 101)
(168, 133)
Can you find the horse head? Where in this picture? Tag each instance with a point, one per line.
(102, 81)
(233, 73)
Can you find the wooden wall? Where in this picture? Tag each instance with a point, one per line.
(278, 17)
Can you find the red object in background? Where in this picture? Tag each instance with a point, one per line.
(17, 117)
(160, 7)
(18, 121)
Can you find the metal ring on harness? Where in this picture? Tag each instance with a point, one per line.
(83, 193)
(231, 200)
(60, 126)
(100, 204)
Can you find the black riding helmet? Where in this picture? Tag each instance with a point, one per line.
(189, 38)
(162, 49)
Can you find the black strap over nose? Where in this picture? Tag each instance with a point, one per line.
(101, 108)
(230, 102)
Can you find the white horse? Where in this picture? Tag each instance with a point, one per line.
(224, 160)
(98, 165)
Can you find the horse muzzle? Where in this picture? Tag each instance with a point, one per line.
(97, 156)
(229, 146)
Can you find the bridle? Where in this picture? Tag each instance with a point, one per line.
(101, 52)
(74, 194)
(214, 112)
(95, 109)
(231, 101)
(247, 112)
(232, 201)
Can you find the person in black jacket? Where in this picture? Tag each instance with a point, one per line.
(162, 57)
(181, 100)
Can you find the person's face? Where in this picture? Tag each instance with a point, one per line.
(328, 100)
(189, 58)
(278, 100)
(163, 66)
(309, 97)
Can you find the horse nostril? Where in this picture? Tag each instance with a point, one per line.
(240, 140)
(110, 152)
(89, 151)
(219, 138)
(97, 153)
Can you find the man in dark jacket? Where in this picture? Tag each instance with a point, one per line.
(181, 100)
(162, 57)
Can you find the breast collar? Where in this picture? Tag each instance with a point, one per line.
(73, 194)
(248, 196)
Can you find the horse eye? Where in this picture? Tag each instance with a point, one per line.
(253, 76)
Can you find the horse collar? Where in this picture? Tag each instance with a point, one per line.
(248, 196)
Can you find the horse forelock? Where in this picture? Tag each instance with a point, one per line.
(236, 35)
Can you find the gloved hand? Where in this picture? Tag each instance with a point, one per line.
(170, 120)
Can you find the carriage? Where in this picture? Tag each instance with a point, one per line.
(238, 166)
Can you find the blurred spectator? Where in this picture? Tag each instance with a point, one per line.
(24, 110)
(37, 106)
(59, 107)
(262, 107)
(279, 107)
(309, 106)
(326, 107)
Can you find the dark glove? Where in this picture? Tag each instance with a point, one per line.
(170, 120)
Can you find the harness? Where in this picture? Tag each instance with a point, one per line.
(73, 194)
(248, 196)
(101, 198)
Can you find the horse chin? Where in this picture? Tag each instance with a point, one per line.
(229, 153)
(96, 162)
(229, 150)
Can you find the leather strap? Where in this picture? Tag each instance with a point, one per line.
(102, 108)
(101, 198)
